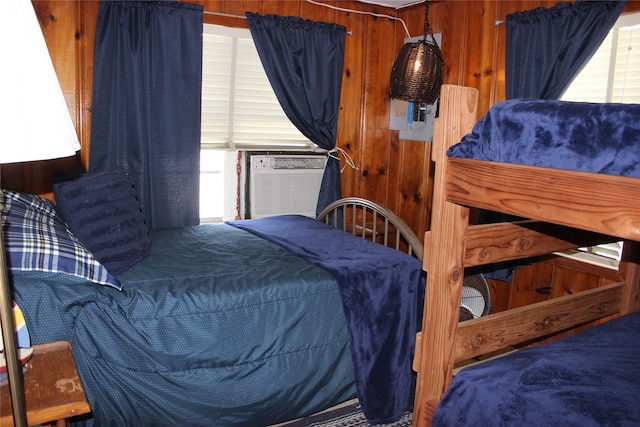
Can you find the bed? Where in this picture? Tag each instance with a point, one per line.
(556, 383)
(244, 323)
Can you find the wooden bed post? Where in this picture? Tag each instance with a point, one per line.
(631, 270)
(443, 260)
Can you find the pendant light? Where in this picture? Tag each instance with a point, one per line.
(418, 71)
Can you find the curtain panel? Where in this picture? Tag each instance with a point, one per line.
(547, 48)
(146, 104)
(303, 61)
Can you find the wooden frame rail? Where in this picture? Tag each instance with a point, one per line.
(508, 328)
(490, 243)
(596, 202)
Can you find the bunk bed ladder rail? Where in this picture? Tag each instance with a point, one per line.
(445, 273)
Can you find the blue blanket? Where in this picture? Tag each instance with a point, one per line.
(590, 378)
(587, 137)
(380, 295)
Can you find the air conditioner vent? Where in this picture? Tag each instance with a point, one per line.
(285, 184)
(298, 162)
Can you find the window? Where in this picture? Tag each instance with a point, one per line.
(239, 109)
(612, 75)
(240, 112)
(212, 168)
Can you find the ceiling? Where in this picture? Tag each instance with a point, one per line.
(396, 4)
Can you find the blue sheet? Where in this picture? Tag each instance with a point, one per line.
(591, 378)
(587, 137)
(216, 327)
(379, 288)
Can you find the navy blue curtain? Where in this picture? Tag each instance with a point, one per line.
(146, 104)
(547, 48)
(303, 61)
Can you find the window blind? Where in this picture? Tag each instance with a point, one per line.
(239, 109)
(612, 73)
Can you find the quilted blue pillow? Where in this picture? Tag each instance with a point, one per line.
(103, 213)
(36, 238)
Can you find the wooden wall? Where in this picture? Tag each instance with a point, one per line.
(391, 171)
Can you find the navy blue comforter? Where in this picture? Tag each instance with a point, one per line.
(591, 378)
(587, 137)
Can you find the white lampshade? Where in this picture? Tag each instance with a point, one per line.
(34, 125)
(34, 119)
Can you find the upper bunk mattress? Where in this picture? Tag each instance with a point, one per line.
(587, 137)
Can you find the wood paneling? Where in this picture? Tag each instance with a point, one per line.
(556, 277)
(392, 171)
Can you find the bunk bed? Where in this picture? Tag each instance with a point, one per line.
(559, 202)
(245, 323)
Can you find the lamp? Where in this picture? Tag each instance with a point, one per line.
(35, 125)
(418, 71)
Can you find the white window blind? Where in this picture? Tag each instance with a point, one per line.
(612, 75)
(239, 109)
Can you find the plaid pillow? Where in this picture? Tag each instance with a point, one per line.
(36, 238)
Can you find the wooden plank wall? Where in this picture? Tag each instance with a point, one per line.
(391, 171)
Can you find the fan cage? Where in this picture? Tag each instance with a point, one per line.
(478, 285)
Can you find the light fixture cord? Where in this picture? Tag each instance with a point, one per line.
(427, 26)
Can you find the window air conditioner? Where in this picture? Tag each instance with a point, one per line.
(284, 184)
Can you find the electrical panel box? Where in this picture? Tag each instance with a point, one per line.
(414, 120)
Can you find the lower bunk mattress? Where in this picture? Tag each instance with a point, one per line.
(591, 378)
(261, 340)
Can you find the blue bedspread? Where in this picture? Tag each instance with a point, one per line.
(588, 137)
(379, 288)
(216, 327)
(591, 378)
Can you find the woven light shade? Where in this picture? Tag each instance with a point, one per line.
(418, 71)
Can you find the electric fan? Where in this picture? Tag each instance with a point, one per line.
(476, 298)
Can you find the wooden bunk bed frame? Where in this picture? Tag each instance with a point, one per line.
(604, 204)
